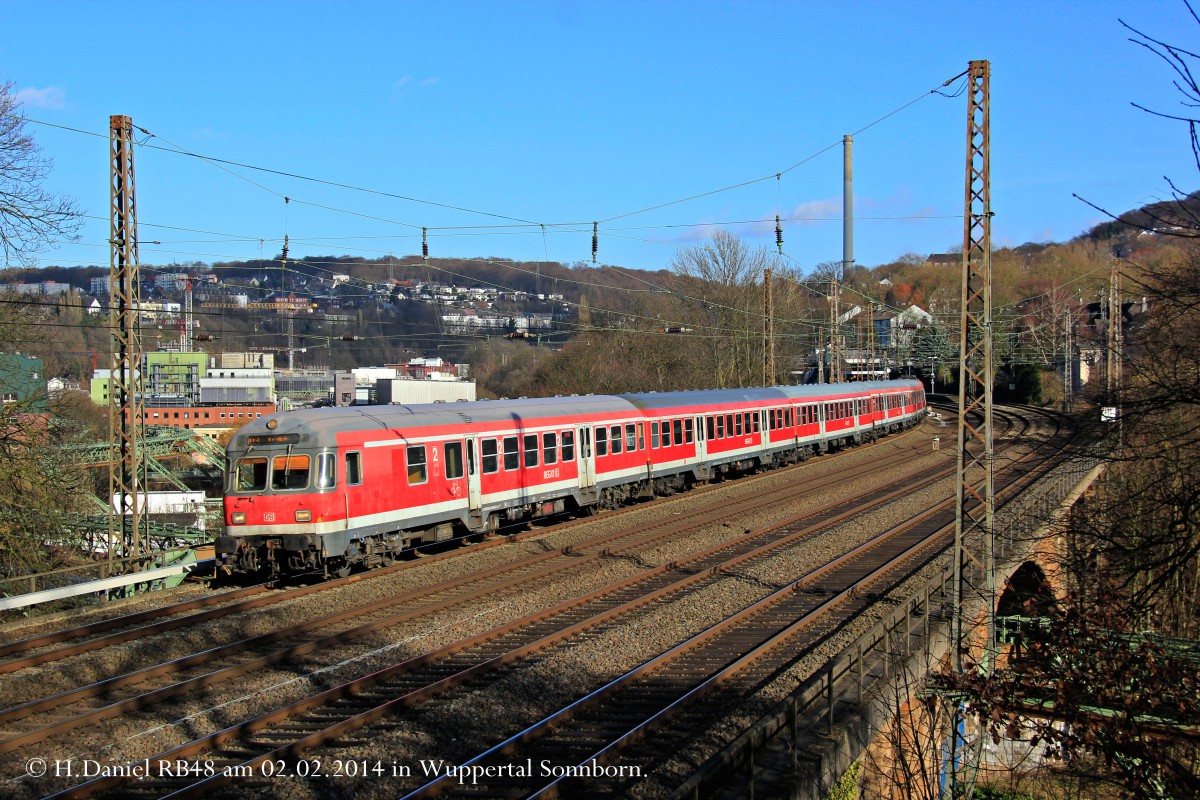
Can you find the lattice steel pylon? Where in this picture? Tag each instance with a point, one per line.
(126, 428)
(974, 559)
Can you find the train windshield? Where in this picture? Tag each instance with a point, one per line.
(289, 472)
(251, 475)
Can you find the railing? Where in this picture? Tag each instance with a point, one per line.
(876, 657)
(70, 587)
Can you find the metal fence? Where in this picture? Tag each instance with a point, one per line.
(879, 654)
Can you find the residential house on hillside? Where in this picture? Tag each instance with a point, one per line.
(943, 260)
(22, 380)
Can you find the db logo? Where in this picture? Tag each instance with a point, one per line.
(268, 516)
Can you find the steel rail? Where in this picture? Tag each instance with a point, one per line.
(105, 688)
(176, 622)
(356, 688)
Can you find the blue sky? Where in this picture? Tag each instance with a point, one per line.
(570, 112)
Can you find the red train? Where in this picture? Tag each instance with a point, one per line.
(331, 488)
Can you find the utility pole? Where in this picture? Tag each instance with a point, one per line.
(974, 558)
(871, 337)
(768, 330)
(847, 205)
(187, 317)
(820, 355)
(289, 314)
(1113, 355)
(859, 348)
(1068, 362)
(126, 424)
(835, 352)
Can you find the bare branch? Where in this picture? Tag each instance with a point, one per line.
(31, 217)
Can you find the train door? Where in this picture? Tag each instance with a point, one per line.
(473, 483)
(587, 459)
(701, 441)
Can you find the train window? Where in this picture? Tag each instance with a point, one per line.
(491, 463)
(737, 424)
(251, 475)
(687, 430)
(756, 418)
(641, 428)
(568, 445)
(710, 427)
(326, 471)
(772, 421)
(512, 458)
(531, 449)
(720, 426)
(289, 472)
(417, 472)
(666, 433)
(729, 425)
(454, 461)
(615, 439)
(354, 468)
(678, 428)
(601, 441)
(654, 435)
(630, 437)
(549, 448)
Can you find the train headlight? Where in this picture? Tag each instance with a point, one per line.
(237, 518)
(303, 515)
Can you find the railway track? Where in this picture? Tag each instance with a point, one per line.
(442, 595)
(680, 687)
(23, 654)
(485, 654)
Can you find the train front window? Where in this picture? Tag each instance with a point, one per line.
(251, 475)
(289, 472)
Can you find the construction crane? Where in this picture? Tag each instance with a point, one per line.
(287, 307)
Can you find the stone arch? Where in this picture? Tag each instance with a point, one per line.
(1027, 593)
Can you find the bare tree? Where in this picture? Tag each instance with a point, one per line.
(723, 281)
(31, 217)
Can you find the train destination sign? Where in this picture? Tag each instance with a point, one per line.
(274, 438)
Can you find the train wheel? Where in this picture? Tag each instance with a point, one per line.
(342, 571)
